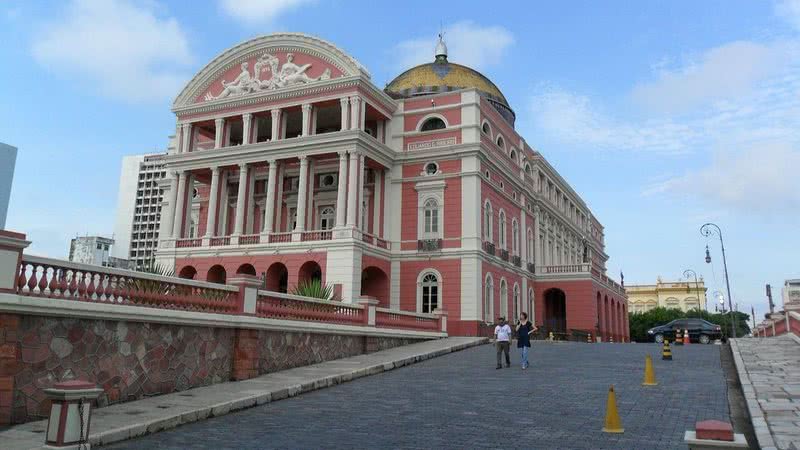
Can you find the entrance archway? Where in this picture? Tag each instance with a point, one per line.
(188, 272)
(310, 270)
(375, 283)
(555, 311)
(277, 278)
(216, 274)
(246, 269)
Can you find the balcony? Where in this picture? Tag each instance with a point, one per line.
(516, 260)
(282, 239)
(429, 245)
(504, 254)
(488, 247)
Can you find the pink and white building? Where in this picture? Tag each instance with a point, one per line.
(290, 163)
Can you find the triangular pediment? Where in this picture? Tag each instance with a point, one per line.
(266, 64)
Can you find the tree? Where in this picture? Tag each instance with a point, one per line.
(640, 322)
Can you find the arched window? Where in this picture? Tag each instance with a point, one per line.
(430, 292)
(487, 222)
(431, 214)
(486, 129)
(434, 123)
(517, 305)
(513, 155)
(515, 237)
(500, 142)
(527, 168)
(530, 305)
(502, 229)
(488, 299)
(504, 299)
(327, 218)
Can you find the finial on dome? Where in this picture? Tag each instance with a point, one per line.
(441, 48)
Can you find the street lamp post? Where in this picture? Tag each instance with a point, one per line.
(686, 274)
(707, 230)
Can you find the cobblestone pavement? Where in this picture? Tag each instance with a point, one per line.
(772, 388)
(460, 401)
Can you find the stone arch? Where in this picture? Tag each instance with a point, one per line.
(246, 269)
(310, 270)
(429, 284)
(488, 298)
(277, 278)
(217, 274)
(432, 122)
(555, 310)
(375, 283)
(187, 272)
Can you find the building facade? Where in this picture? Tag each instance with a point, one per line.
(291, 164)
(139, 208)
(791, 294)
(8, 160)
(683, 295)
(95, 250)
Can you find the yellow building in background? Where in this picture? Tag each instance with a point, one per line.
(683, 295)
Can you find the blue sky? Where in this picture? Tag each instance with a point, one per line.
(662, 115)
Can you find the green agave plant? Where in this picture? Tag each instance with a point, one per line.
(314, 288)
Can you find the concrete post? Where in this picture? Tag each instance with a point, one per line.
(70, 414)
(11, 246)
(442, 319)
(369, 304)
(248, 292)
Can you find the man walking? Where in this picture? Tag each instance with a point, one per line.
(502, 332)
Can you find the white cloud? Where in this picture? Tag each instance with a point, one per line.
(762, 178)
(254, 12)
(573, 119)
(121, 49)
(468, 43)
(732, 69)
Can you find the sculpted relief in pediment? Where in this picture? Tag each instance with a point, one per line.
(267, 74)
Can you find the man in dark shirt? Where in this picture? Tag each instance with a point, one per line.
(524, 330)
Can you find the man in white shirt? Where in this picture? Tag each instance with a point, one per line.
(502, 332)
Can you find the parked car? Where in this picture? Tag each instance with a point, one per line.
(700, 331)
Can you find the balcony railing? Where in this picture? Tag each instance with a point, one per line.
(374, 240)
(488, 247)
(249, 239)
(429, 245)
(566, 268)
(504, 254)
(516, 260)
(280, 237)
(390, 318)
(320, 235)
(274, 305)
(186, 243)
(218, 241)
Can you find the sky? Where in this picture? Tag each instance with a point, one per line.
(661, 115)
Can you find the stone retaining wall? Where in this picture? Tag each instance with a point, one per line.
(131, 360)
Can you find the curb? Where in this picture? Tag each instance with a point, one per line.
(760, 427)
(249, 401)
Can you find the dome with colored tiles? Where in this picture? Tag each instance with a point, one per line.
(442, 76)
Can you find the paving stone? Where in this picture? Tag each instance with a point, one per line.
(460, 401)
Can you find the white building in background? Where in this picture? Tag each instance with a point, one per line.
(96, 251)
(8, 159)
(138, 208)
(791, 293)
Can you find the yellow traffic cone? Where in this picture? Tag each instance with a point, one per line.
(649, 375)
(589, 338)
(678, 338)
(613, 424)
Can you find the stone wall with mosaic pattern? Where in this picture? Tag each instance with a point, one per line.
(131, 360)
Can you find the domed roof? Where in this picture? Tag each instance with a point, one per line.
(443, 76)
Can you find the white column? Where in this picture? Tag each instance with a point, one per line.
(523, 235)
(306, 119)
(314, 114)
(276, 120)
(360, 218)
(213, 201)
(302, 194)
(379, 132)
(219, 127)
(187, 138)
(168, 214)
(279, 195)
(312, 166)
(247, 121)
(352, 186)
(269, 206)
(344, 102)
(238, 225)
(376, 201)
(355, 113)
(387, 190)
(341, 193)
(362, 122)
(177, 224)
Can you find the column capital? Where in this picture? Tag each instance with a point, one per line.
(219, 120)
(214, 169)
(342, 154)
(344, 101)
(306, 106)
(354, 154)
(186, 125)
(243, 166)
(247, 115)
(275, 113)
(272, 162)
(303, 159)
(355, 99)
